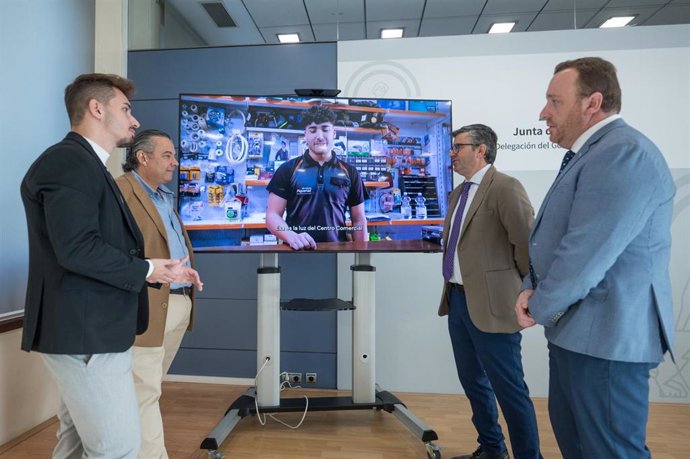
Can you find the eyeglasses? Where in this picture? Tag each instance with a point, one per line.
(456, 147)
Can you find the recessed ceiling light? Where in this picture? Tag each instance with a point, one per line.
(288, 37)
(617, 21)
(501, 27)
(391, 33)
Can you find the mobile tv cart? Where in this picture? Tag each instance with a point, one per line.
(366, 394)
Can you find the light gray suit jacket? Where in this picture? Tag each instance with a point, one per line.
(600, 248)
(492, 251)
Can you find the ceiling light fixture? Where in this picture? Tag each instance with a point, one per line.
(501, 27)
(617, 21)
(288, 37)
(391, 33)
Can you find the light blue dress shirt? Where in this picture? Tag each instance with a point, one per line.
(164, 200)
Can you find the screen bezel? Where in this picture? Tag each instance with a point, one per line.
(378, 246)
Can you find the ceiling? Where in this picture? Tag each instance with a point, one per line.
(259, 21)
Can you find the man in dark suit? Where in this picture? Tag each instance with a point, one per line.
(86, 299)
(599, 281)
(484, 258)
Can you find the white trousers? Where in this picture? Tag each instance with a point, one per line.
(98, 407)
(150, 365)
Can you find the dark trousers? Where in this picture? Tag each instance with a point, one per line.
(598, 407)
(490, 368)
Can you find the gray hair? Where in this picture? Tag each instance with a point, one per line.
(481, 134)
(143, 141)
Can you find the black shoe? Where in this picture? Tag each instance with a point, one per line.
(480, 454)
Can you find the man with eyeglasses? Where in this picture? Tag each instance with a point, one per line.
(485, 257)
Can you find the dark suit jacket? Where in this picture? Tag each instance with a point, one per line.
(492, 251)
(156, 244)
(85, 290)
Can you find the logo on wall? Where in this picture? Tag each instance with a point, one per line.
(672, 382)
(383, 79)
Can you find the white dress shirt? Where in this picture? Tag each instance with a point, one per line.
(103, 156)
(475, 180)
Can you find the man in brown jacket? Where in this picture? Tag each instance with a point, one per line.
(150, 163)
(485, 257)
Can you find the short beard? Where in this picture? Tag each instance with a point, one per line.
(124, 143)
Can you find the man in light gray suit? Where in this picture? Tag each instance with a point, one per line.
(599, 256)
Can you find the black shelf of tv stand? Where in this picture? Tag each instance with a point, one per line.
(310, 304)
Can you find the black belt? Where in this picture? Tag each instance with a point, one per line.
(458, 287)
(181, 291)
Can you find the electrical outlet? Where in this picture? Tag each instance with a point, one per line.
(294, 378)
(310, 378)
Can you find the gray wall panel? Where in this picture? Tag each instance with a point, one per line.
(324, 365)
(223, 324)
(308, 275)
(242, 364)
(223, 341)
(228, 363)
(158, 114)
(245, 70)
(231, 324)
(308, 331)
(228, 275)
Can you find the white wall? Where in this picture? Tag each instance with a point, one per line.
(500, 80)
(176, 33)
(44, 44)
(28, 395)
(34, 74)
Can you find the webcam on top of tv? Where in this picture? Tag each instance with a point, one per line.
(317, 92)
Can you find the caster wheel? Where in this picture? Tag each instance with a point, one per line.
(213, 454)
(433, 451)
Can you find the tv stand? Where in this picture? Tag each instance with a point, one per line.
(366, 394)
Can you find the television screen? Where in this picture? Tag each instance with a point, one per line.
(313, 172)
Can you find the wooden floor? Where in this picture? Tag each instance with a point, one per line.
(191, 411)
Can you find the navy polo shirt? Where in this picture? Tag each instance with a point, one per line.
(317, 196)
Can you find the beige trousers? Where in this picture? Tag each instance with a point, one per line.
(150, 365)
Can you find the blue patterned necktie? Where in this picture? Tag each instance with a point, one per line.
(566, 159)
(449, 254)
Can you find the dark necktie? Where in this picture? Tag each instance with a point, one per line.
(566, 159)
(449, 254)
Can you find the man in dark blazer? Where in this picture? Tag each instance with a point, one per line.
(85, 298)
(599, 280)
(150, 164)
(484, 258)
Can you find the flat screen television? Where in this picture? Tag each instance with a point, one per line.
(386, 159)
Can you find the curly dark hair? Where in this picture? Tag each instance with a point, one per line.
(318, 114)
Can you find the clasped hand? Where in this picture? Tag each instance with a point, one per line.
(524, 318)
(166, 271)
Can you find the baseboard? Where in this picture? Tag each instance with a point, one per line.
(210, 380)
(28, 434)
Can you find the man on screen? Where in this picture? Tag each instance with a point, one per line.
(282, 153)
(316, 189)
